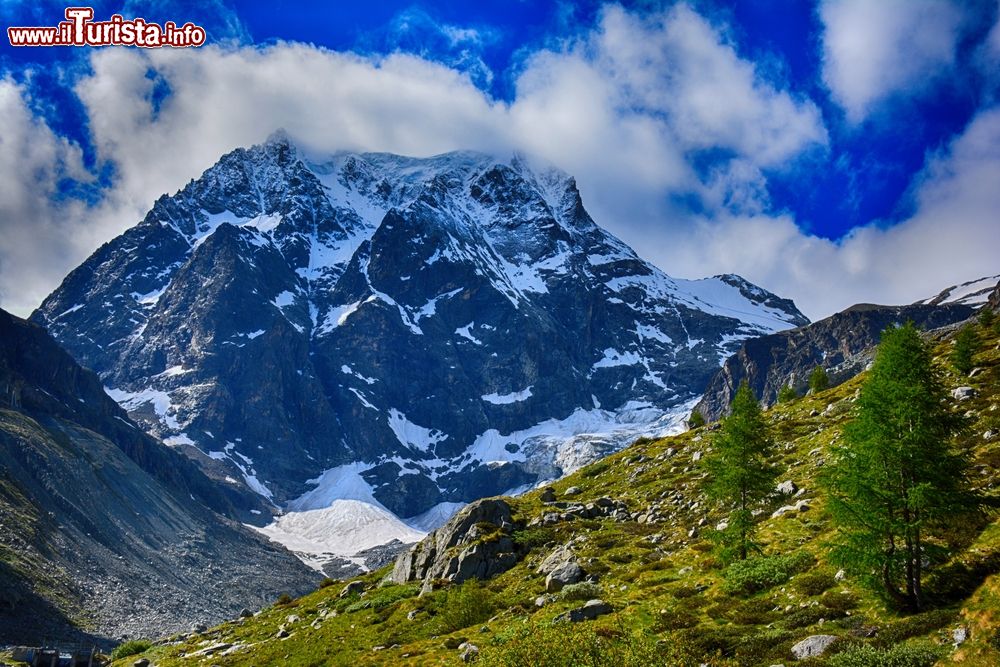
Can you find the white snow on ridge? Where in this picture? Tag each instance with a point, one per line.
(504, 399)
(343, 528)
(613, 357)
(716, 297)
(466, 332)
(159, 400)
(413, 435)
(435, 517)
(341, 483)
(972, 293)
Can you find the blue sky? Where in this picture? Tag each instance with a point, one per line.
(834, 152)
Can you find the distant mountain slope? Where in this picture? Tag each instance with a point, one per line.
(437, 328)
(103, 527)
(842, 344)
(972, 293)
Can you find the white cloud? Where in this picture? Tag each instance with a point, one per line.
(875, 49)
(37, 247)
(623, 108)
(952, 236)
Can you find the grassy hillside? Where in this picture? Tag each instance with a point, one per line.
(674, 602)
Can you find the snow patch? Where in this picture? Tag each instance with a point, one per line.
(504, 399)
(413, 435)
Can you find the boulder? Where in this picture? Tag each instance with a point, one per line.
(476, 543)
(812, 646)
(786, 488)
(141, 662)
(963, 393)
(548, 495)
(591, 610)
(469, 652)
(566, 573)
(352, 588)
(572, 491)
(245, 613)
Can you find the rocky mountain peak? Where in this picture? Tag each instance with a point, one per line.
(425, 331)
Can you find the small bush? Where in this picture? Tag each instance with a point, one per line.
(595, 469)
(697, 420)
(754, 575)
(839, 600)
(134, 647)
(580, 645)
(534, 537)
(464, 605)
(383, 597)
(787, 394)
(283, 600)
(326, 582)
(814, 583)
(915, 654)
(915, 626)
(818, 380)
(675, 618)
(585, 590)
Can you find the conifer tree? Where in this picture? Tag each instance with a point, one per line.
(965, 347)
(787, 394)
(896, 481)
(739, 473)
(818, 379)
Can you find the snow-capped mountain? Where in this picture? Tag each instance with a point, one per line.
(413, 333)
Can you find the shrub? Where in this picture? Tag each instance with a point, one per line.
(326, 582)
(915, 626)
(914, 654)
(134, 647)
(534, 537)
(814, 583)
(697, 420)
(460, 606)
(581, 645)
(787, 394)
(759, 574)
(594, 469)
(839, 600)
(585, 590)
(818, 380)
(675, 618)
(383, 597)
(283, 600)
(986, 318)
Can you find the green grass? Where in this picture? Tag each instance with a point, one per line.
(675, 602)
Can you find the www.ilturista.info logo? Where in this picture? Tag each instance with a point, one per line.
(79, 29)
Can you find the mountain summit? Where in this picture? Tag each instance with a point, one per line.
(408, 332)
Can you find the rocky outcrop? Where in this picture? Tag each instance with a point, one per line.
(843, 344)
(477, 543)
(993, 301)
(812, 646)
(102, 515)
(588, 612)
(560, 568)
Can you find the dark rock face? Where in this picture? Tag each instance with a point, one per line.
(282, 315)
(993, 301)
(476, 543)
(99, 513)
(843, 344)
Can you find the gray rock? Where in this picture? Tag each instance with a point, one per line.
(352, 588)
(786, 488)
(812, 646)
(468, 652)
(591, 610)
(245, 613)
(573, 491)
(141, 662)
(963, 393)
(548, 495)
(566, 573)
(456, 551)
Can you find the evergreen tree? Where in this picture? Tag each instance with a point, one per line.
(986, 317)
(895, 481)
(787, 394)
(739, 473)
(965, 347)
(696, 420)
(818, 380)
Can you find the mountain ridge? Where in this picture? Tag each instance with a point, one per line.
(286, 314)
